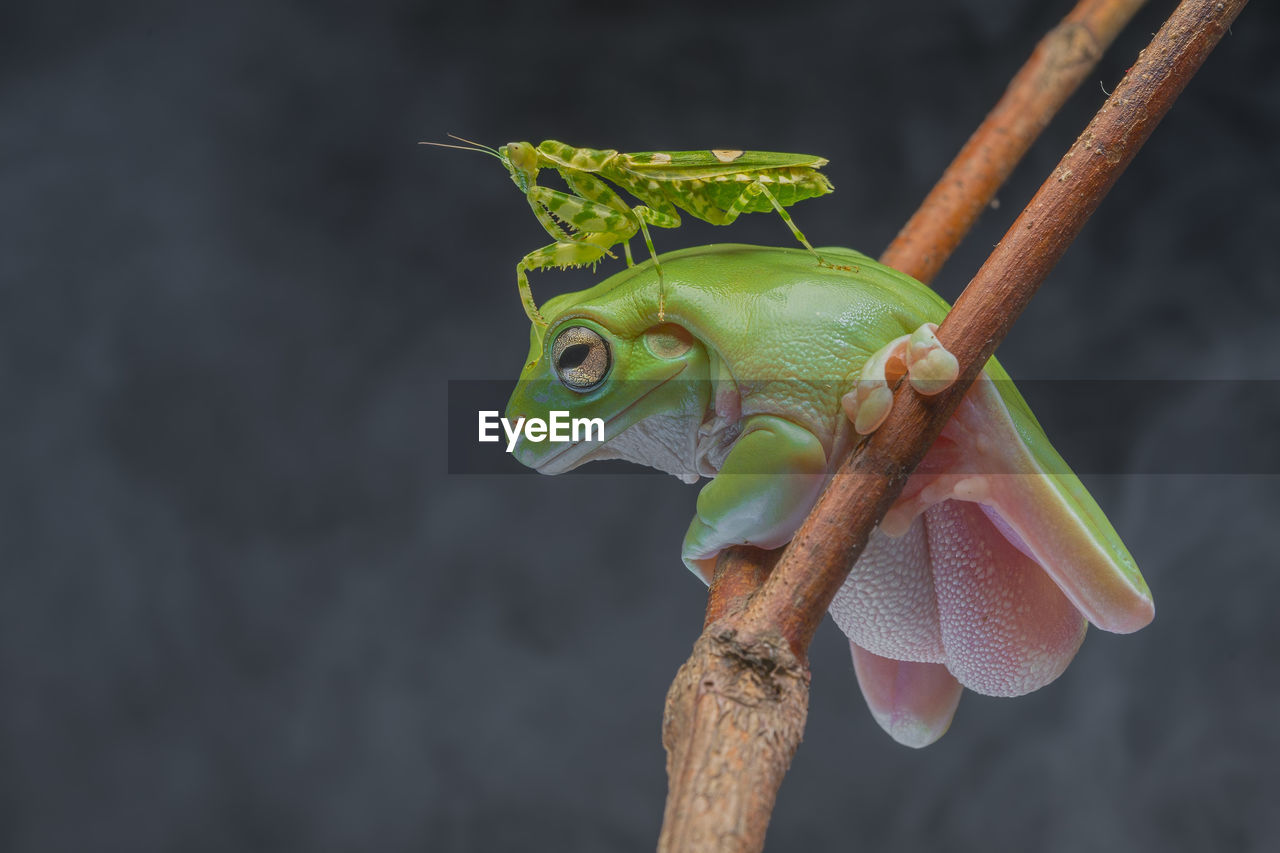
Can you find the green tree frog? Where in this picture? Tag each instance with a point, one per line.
(758, 371)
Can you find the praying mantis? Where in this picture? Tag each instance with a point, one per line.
(716, 185)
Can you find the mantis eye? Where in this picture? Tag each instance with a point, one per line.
(581, 358)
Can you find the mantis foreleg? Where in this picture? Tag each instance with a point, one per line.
(562, 253)
(584, 231)
(570, 218)
(590, 187)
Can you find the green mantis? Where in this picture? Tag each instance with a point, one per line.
(715, 185)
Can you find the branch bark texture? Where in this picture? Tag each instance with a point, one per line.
(736, 711)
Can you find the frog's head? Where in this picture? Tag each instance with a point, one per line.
(521, 160)
(603, 359)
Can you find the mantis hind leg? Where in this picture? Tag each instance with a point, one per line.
(645, 214)
(758, 188)
(657, 210)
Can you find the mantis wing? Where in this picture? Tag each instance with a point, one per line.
(687, 165)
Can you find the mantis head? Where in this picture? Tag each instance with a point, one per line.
(521, 160)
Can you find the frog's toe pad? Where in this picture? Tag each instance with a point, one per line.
(704, 567)
(931, 368)
(913, 702)
(927, 364)
(867, 405)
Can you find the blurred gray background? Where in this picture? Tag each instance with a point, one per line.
(244, 606)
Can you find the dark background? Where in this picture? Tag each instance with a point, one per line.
(243, 605)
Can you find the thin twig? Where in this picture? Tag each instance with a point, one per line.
(731, 722)
(1057, 66)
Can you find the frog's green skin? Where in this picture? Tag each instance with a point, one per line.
(980, 576)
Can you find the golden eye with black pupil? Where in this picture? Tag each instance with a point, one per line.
(581, 358)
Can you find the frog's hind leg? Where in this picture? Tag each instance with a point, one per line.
(982, 465)
(988, 564)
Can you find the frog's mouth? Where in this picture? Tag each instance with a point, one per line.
(575, 453)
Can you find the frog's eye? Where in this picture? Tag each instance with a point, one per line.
(581, 358)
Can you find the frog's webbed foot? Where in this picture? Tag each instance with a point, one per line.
(920, 356)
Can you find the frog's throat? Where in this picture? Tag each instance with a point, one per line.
(573, 452)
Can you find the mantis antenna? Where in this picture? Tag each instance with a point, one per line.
(474, 146)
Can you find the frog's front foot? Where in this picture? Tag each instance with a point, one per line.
(927, 364)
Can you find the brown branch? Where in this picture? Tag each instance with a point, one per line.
(1057, 66)
(735, 712)
(740, 572)
(1061, 60)
(814, 565)
(733, 718)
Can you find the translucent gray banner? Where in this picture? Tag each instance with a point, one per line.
(1100, 427)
